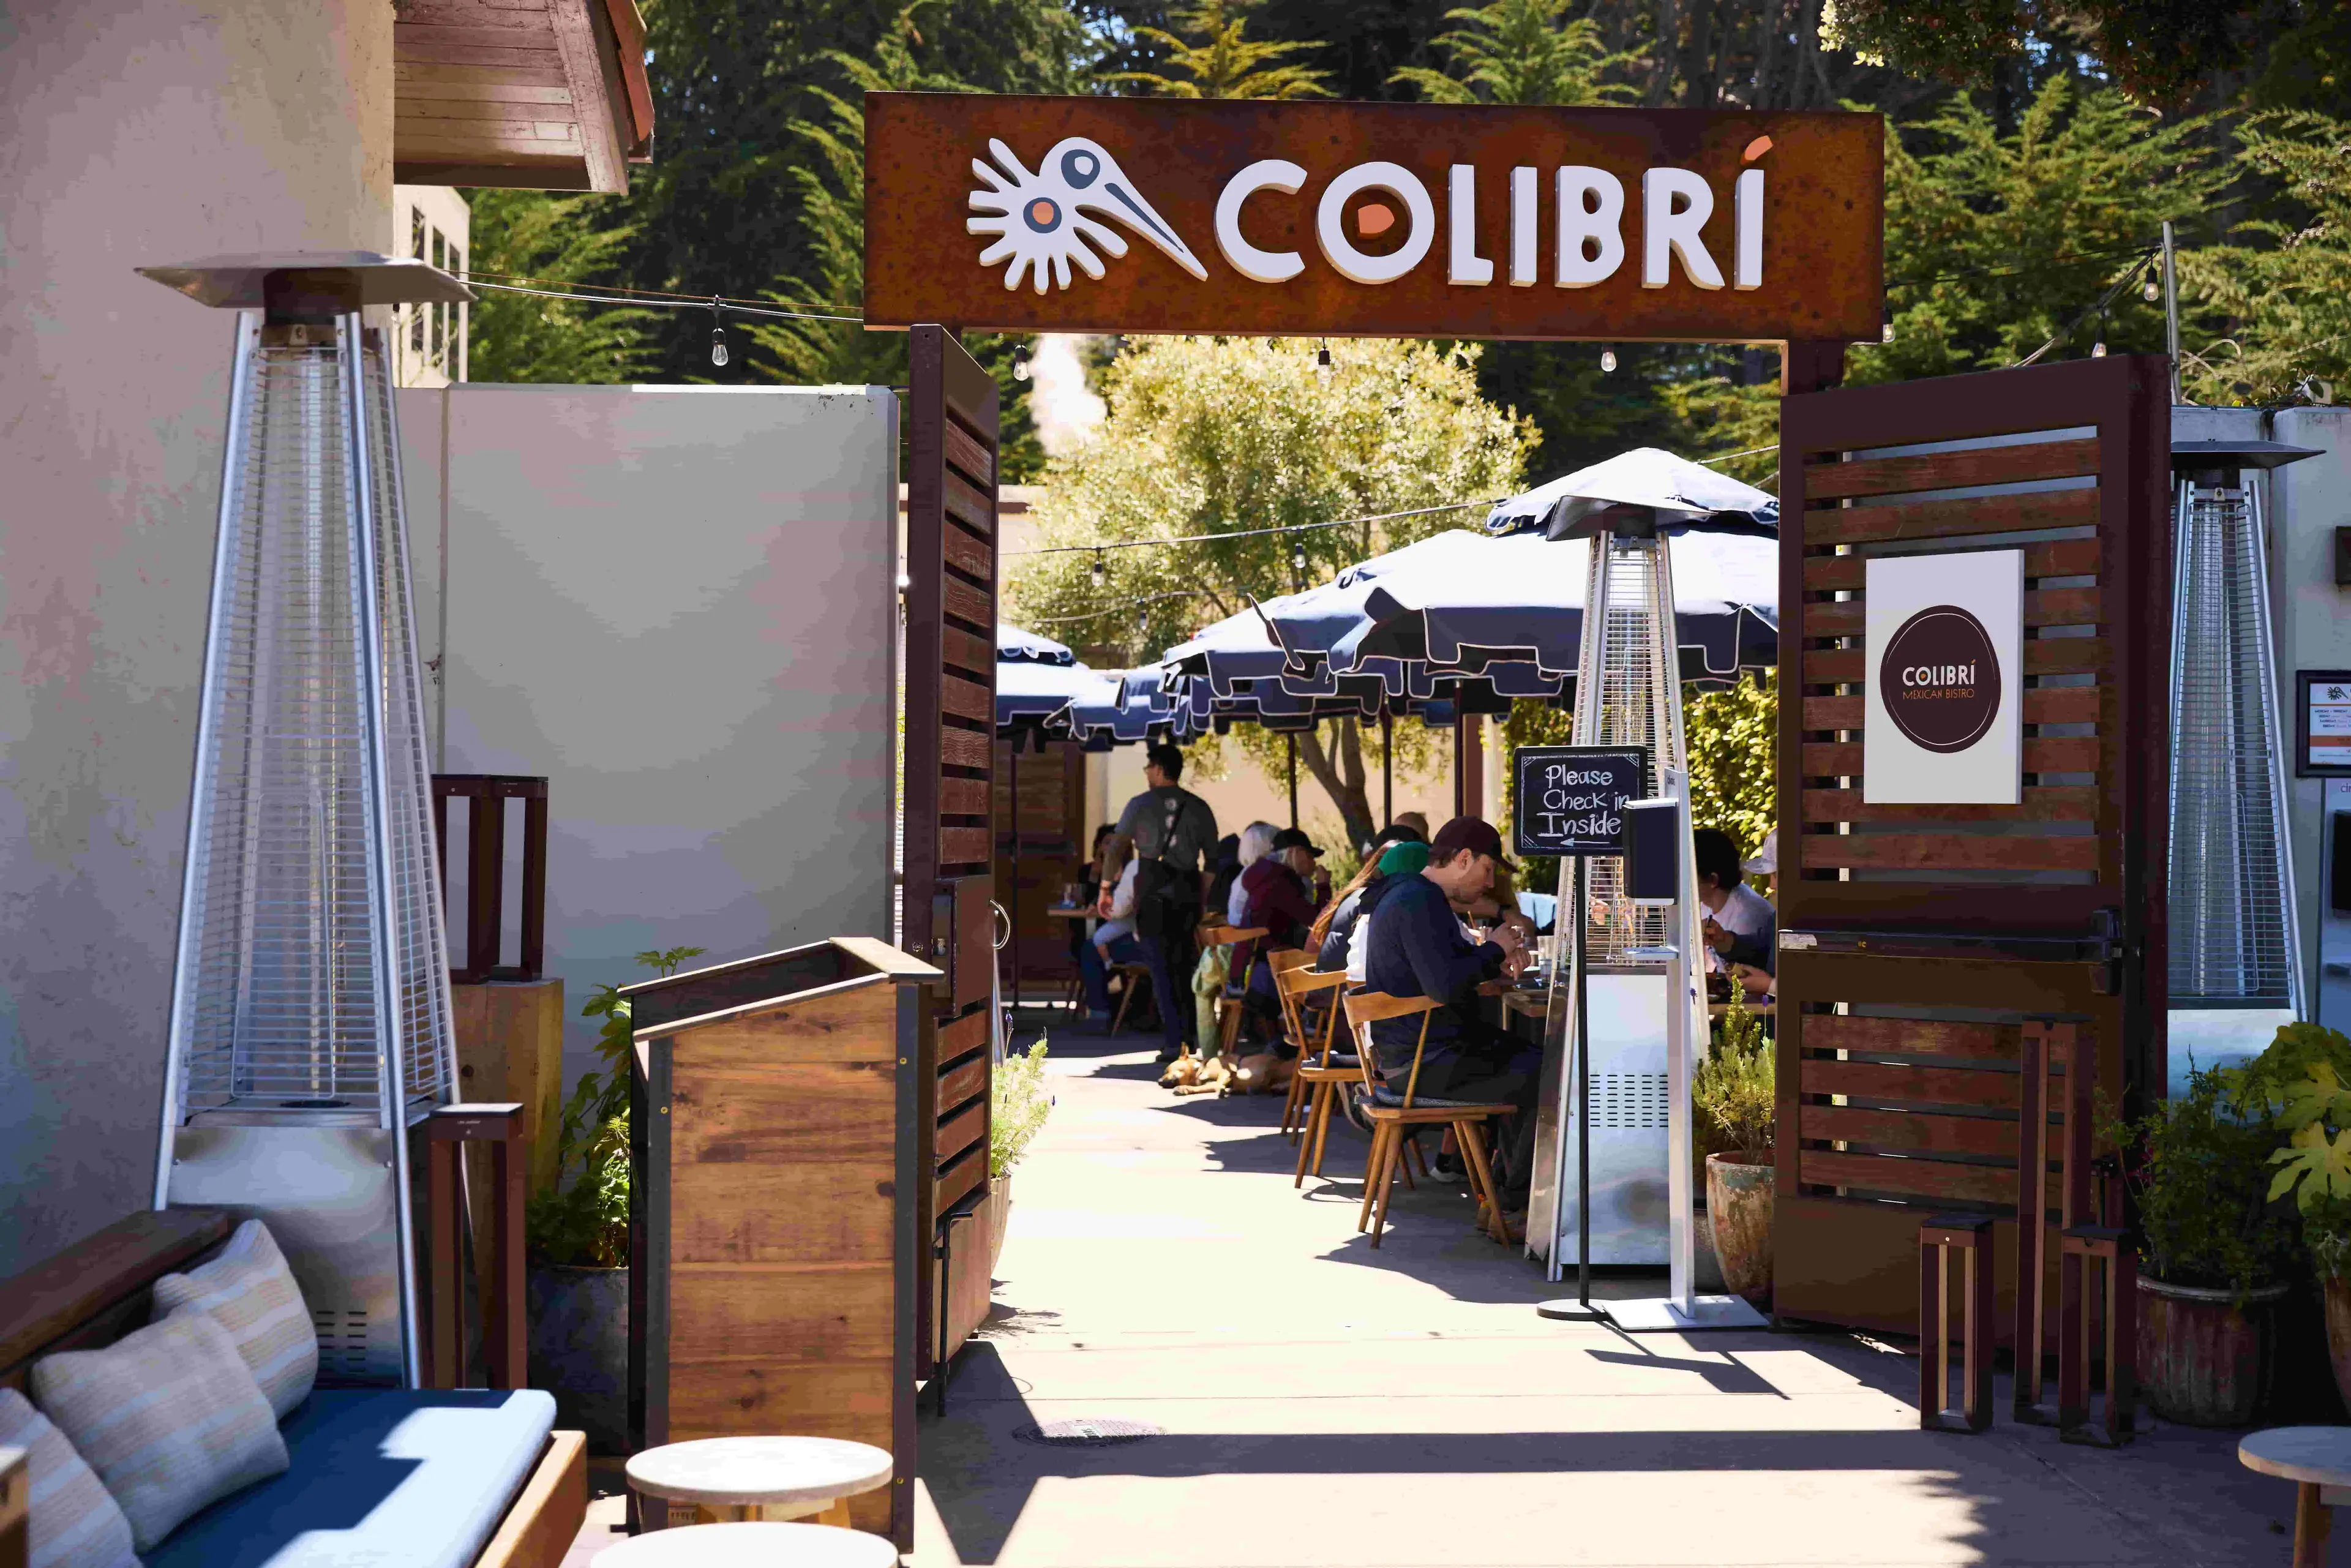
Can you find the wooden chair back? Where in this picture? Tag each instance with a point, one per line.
(1366, 1008)
(1297, 981)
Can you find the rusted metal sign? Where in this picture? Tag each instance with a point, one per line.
(1371, 219)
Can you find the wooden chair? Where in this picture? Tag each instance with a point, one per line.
(1283, 963)
(1393, 1117)
(1228, 1003)
(1137, 975)
(1323, 1074)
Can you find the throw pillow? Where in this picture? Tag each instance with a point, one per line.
(169, 1417)
(75, 1523)
(249, 1292)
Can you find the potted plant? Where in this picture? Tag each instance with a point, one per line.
(2214, 1249)
(1737, 1100)
(577, 1233)
(1019, 1103)
(2303, 1080)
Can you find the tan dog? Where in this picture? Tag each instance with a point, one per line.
(1212, 1078)
(1261, 1075)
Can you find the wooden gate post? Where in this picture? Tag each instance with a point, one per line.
(950, 837)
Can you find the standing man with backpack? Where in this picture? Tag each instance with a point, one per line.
(1175, 832)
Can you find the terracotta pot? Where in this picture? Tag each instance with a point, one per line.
(2202, 1361)
(2338, 1334)
(1738, 1201)
(579, 1349)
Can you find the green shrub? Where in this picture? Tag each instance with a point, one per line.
(581, 1220)
(2198, 1171)
(1018, 1106)
(2300, 1082)
(1733, 1089)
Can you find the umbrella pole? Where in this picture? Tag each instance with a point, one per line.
(1387, 767)
(1290, 744)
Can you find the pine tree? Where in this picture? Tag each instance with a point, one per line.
(1518, 51)
(1223, 62)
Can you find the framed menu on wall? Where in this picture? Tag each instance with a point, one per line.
(2322, 727)
(1944, 651)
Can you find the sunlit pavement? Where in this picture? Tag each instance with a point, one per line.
(1323, 1403)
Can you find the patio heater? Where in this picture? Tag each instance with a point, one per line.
(310, 1022)
(2235, 968)
(1626, 1078)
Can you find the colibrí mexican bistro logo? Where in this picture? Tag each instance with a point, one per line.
(1047, 220)
(1940, 679)
(1041, 218)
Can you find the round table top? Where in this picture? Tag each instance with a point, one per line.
(751, 1545)
(738, 1471)
(2317, 1455)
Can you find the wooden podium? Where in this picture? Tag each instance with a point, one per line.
(776, 1251)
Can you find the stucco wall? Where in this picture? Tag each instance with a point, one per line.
(129, 133)
(677, 605)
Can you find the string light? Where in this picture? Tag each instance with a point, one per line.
(2098, 348)
(717, 333)
(1020, 363)
(1298, 559)
(2150, 290)
(1608, 360)
(1102, 570)
(1322, 360)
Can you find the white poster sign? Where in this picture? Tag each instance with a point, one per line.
(1944, 648)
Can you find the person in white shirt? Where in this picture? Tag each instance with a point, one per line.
(1257, 842)
(1740, 922)
(1114, 941)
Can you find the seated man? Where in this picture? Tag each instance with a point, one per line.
(1740, 922)
(1417, 948)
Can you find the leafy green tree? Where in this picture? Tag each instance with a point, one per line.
(832, 347)
(1518, 51)
(530, 338)
(1218, 59)
(721, 209)
(1732, 735)
(2165, 52)
(1209, 436)
(2283, 287)
(1995, 240)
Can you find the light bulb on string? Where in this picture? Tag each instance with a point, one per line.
(717, 334)
(2149, 289)
(1021, 363)
(2098, 348)
(1608, 360)
(1102, 570)
(1322, 361)
(1298, 559)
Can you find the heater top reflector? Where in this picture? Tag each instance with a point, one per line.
(364, 277)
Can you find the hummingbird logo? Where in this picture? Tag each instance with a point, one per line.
(1040, 219)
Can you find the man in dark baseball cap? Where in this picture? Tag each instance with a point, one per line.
(1420, 948)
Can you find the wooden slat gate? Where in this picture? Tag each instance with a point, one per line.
(1922, 947)
(951, 543)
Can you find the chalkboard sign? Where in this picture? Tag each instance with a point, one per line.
(1571, 798)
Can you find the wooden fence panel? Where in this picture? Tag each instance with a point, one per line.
(1918, 941)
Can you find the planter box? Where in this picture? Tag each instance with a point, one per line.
(971, 1274)
(579, 1349)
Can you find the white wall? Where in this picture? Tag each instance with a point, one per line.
(678, 604)
(131, 131)
(2310, 499)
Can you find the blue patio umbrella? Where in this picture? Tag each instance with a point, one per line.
(1480, 600)
(1031, 693)
(1679, 492)
(1014, 645)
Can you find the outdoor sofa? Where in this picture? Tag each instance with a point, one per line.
(388, 1478)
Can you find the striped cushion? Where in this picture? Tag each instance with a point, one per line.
(249, 1292)
(76, 1523)
(169, 1417)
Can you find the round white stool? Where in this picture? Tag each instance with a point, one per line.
(2316, 1459)
(732, 1479)
(755, 1545)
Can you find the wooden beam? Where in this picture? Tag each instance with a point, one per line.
(52, 1296)
(584, 57)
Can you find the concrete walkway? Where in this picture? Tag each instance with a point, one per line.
(1326, 1405)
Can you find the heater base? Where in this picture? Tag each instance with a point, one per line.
(1663, 1314)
